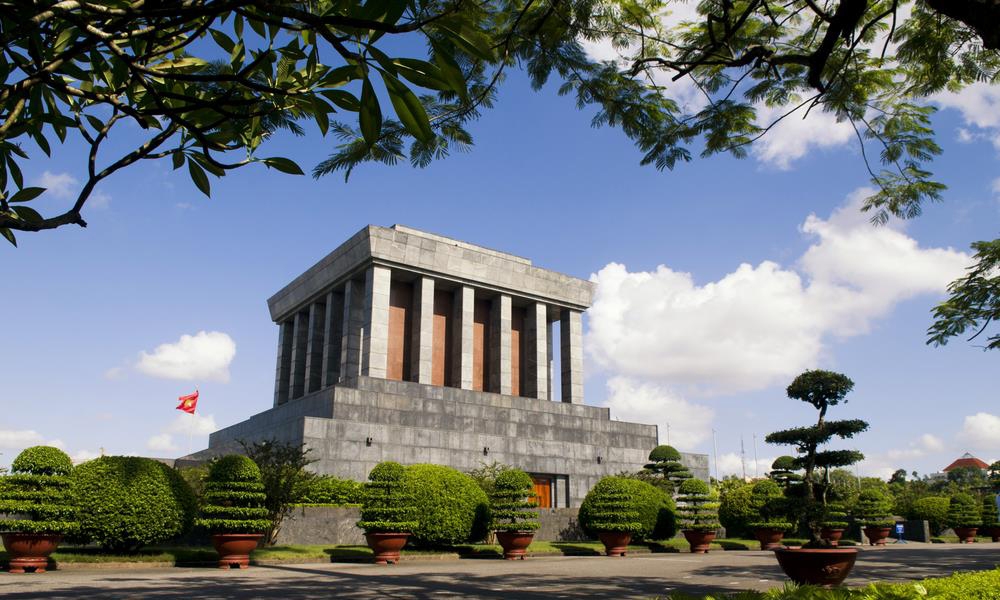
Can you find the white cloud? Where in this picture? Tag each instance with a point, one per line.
(925, 444)
(114, 374)
(99, 200)
(761, 324)
(162, 442)
(203, 356)
(982, 431)
(20, 439)
(731, 463)
(979, 104)
(797, 134)
(633, 401)
(931, 443)
(85, 455)
(195, 424)
(60, 185)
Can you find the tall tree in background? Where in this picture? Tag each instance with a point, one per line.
(282, 471)
(208, 81)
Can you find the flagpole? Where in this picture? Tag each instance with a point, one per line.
(191, 426)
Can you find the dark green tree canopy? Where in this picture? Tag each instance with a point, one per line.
(822, 389)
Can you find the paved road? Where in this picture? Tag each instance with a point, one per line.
(549, 578)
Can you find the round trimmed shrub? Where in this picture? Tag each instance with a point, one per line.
(234, 497)
(35, 497)
(963, 511)
(736, 509)
(874, 508)
(769, 507)
(610, 506)
(698, 506)
(511, 502)
(934, 510)
(126, 502)
(386, 506)
(451, 507)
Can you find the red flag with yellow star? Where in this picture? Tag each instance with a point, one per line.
(188, 403)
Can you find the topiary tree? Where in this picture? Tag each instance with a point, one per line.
(835, 516)
(767, 502)
(990, 516)
(874, 508)
(964, 511)
(821, 389)
(35, 497)
(233, 500)
(783, 471)
(511, 502)
(451, 507)
(386, 505)
(994, 476)
(126, 502)
(933, 509)
(698, 506)
(666, 462)
(610, 506)
(655, 507)
(736, 510)
(283, 473)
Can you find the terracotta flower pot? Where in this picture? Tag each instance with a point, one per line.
(966, 535)
(514, 543)
(832, 535)
(234, 548)
(615, 542)
(700, 540)
(816, 566)
(769, 538)
(386, 546)
(30, 550)
(993, 532)
(877, 535)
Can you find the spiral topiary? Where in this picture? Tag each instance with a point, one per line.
(126, 502)
(511, 502)
(835, 516)
(768, 503)
(387, 507)
(698, 506)
(874, 508)
(610, 506)
(990, 516)
(451, 507)
(234, 497)
(35, 497)
(964, 511)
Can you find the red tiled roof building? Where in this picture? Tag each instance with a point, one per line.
(967, 461)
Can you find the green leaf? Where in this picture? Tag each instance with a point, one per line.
(222, 40)
(424, 74)
(471, 41)
(408, 108)
(344, 100)
(341, 75)
(28, 214)
(178, 160)
(8, 235)
(451, 72)
(199, 177)
(26, 194)
(370, 117)
(284, 165)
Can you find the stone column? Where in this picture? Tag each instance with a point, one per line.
(283, 367)
(536, 349)
(375, 342)
(300, 337)
(500, 371)
(571, 355)
(314, 347)
(333, 334)
(463, 308)
(549, 365)
(423, 330)
(353, 331)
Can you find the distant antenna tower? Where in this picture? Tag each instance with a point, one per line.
(743, 457)
(755, 472)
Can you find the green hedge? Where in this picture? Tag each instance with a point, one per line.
(126, 502)
(512, 501)
(234, 497)
(35, 497)
(934, 510)
(330, 490)
(450, 506)
(387, 506)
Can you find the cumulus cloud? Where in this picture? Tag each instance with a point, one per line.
(759, 325)
(200, 357)
(797, 134)
(979, 104)
(732, 463)
(925, 444)
(83, 456)
(10, 438)
(630, 400)
(161, 442)
(60, 185)
(184, 426)
(99, 200)
(982, 431)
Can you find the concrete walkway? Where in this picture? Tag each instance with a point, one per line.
(594, 578)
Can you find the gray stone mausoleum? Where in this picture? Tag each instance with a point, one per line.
(408, 346)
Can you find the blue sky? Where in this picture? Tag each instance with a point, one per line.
(710, 350)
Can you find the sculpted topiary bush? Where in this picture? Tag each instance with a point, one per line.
(610, 506)
(934, 510)
(964, 511)
(769, 506)
(698, 506)
(35, 497)
(736, 509)
(126, 502)
(656, 509)
(874, 508)
(233, 501)
(450, 506)
(512, 501)
(386, 506)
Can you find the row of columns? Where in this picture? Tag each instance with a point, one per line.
(345, 334)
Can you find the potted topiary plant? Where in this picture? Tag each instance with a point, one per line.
(834, 523)
(666, 462)
(387, 513)
(233, 510)
(609, 512)
(768, 503)
(38, 510)
(511, 514)
(991, 518)
(873, 512)
(818, 562)
(699, 514)
(964, 517)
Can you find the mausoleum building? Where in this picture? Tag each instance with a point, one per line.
(408, 346)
